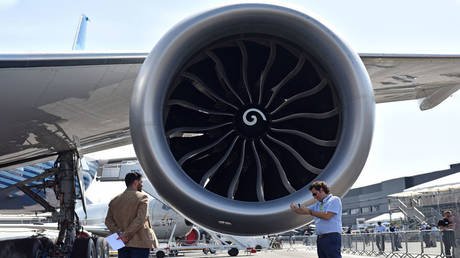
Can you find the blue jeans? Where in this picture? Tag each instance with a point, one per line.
(133, 252)
(329, 246)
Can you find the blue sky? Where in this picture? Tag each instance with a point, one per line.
(406, 140)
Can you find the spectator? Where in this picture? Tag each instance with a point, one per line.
(393, 236)
(366, 236)
(327, 214)
(425, 234)
(398, 237)
(348, 237)
(448, 234)
(433, 235)
(380, 237)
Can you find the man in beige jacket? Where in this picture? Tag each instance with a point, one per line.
(128, 216)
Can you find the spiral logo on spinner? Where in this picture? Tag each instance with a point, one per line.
(253, 118)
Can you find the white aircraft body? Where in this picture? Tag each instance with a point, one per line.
(161, 217)
(232, 115)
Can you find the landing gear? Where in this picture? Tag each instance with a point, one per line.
(67, 171)
(233, 252)
(66, 168)
(84, 247)
(70, 241)
(27, 247)
(209, 250)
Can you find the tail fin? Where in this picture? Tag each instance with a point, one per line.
(80, 36)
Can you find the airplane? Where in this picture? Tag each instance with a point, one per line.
(162, 217)
(166, 223)
(164, 220)
(232, 115)
(19, 187)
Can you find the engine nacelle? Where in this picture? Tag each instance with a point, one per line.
(238, 109)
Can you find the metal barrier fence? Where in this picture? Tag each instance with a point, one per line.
(411, 244)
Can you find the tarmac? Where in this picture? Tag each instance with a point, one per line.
(279, 253)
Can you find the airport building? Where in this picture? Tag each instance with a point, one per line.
(365, 203)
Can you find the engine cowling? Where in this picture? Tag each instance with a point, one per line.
(238, 109)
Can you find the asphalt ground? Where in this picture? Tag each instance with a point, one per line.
(281, 253)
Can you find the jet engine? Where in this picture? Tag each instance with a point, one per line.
(237, 110)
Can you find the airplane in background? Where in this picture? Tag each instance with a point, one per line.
(164, 220)
(167, 224)
(24, 189)
(232, 115)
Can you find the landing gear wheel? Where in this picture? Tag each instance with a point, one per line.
(160, 254)
(34, 245)
(258, 248)
(84, 247)
(27, 247)
(102, 248)
(233, 252)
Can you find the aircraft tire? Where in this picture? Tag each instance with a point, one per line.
(84, 247)
(258, 248)
(27, 247)
(102, 248)
(160, 254)
(233, 252)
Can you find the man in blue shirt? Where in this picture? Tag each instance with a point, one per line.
(327, 213)
(380, 237)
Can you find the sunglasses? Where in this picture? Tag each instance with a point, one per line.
(315, 194)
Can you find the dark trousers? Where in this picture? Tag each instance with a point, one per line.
(133, 252)
(329, 246)
(448, 238)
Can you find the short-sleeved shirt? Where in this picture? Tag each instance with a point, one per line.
(443, 223)
(334, 224)
(380, 228)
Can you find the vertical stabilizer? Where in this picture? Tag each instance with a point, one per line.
(80, 35)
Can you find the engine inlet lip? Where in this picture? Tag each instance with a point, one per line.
(146, 119)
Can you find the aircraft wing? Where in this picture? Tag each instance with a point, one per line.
(59, 102)
(431, 78)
